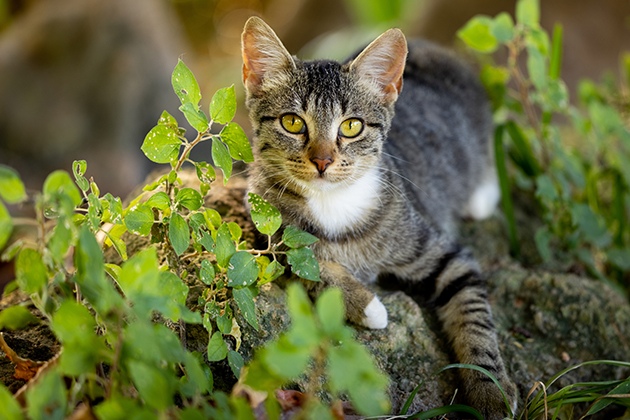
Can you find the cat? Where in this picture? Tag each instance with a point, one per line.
(381, 174)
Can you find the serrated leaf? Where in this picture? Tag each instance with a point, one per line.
(222, 158)
(296, 238)
(30, 271)
(189, 198)
(185, 85)
(16, 317)
(6, 225)
(223, 105)
(303, 263)
(161, 145)
(236, 140)
(178, 233)
(160, 200)
(217, 349)
(195, 117)
(11, 186)
(140, 220)
(245, 300)
(242, 270)
(236, 362)
(266, 217)
(224, 248)
(476, 34)
(206, 272)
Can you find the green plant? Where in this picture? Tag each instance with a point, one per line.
(103, 314)
(578, 173)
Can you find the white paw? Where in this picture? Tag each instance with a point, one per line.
(484, 200)
(375, 315)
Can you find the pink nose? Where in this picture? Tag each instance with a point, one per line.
(322, 163)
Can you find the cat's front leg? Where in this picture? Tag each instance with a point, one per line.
(461, 302)
(362, 306)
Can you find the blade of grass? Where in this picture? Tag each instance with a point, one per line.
(506, 198)
(457, 408)
(556, 52)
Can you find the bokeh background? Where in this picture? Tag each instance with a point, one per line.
(87, 79)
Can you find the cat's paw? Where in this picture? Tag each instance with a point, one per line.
(375, 315)
(485, 396)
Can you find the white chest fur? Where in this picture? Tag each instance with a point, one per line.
(337, 209)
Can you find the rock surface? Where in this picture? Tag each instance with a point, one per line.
(546, 321)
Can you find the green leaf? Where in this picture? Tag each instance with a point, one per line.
(155, 388)
(536, 67)
(205, 172)
(30, 271)
(304, 331)
(591, 225)
(202, 379)
(236, 362)
(60, 240)
(11, 251)
(185, 85)
(223, 106)
(46, 399)
(236, 140)
(331, 311)
(542, 238)
(16, 317)
(189, 198)
(178, 233)
(502, 27)
(224, 322)
(59, 183)
(217, 349)
(622, 388)
(556, 52)
(114, 206)
(477, 35)
(78, 169)
(303, 263)
(10, 408)
(245, 300)
(213, 218)
(620, 257)
(206, 272)
(296, 238)
(528, 12)
(161, 145)
(140, 220)
(242, 270)
(272, 272)
(159, 200)
(224, 248)
(11, 186)
(266, 217)
(168, 120)
(545, 189)
(195, 117)
(6, 225)
(222, 158)
(207, 242)
(504, 183)
(286, 359)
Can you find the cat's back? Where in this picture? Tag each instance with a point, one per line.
(439, 135)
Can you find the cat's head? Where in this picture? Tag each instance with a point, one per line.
(320, 124)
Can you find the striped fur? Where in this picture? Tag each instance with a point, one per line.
(389, 200)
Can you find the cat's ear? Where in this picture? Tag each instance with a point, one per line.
(382, 63)
(263, 53)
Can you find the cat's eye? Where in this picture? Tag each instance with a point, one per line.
(351, 128)
(293, 124)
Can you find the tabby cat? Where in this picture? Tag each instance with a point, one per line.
(380, 174)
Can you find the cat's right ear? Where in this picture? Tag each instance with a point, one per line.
(263, 54)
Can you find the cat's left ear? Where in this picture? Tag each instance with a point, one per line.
(382, 63)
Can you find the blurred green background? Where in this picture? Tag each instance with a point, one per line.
(87, 79)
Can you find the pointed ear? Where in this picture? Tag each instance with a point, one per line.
(263, 53)
(382, 63)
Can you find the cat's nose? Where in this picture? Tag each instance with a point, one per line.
(322, 163)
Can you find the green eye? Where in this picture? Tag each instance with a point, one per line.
(293, 124)
(351, 128)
